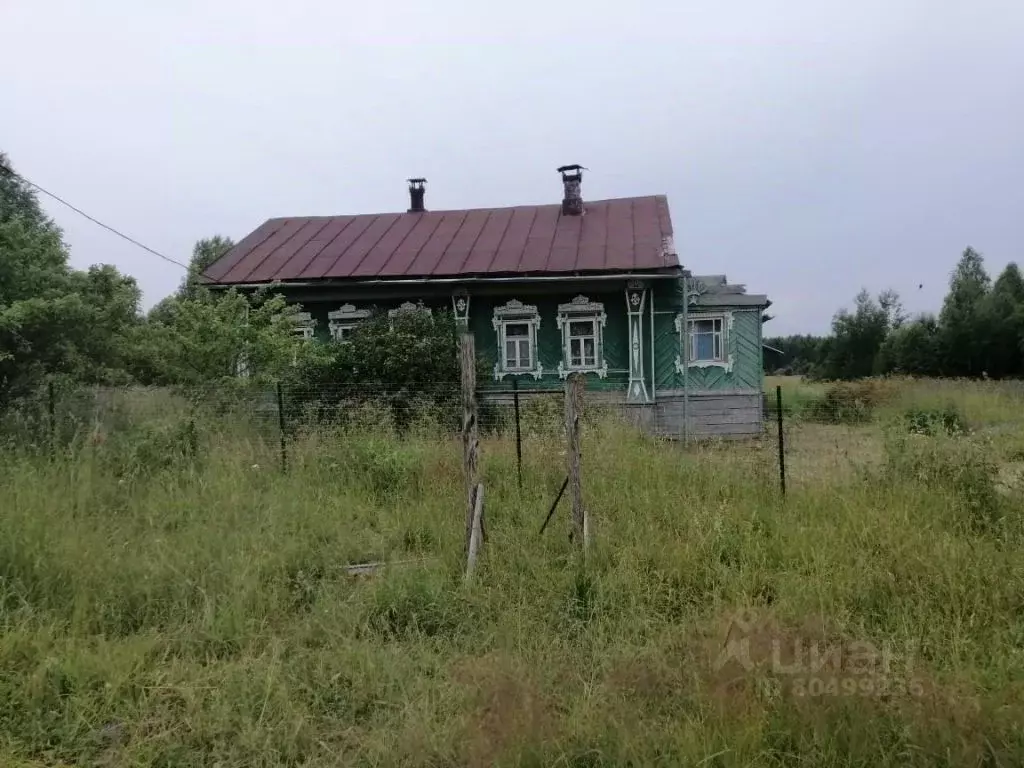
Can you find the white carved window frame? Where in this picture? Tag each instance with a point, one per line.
(582, 308)
(725, 360)
(305, 325)
(514, 312)
(344, 319)
(408, 306)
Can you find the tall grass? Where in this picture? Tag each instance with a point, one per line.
(188, 605)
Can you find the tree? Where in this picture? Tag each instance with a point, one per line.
(857, 337)
(1003, 314)
(214, 337)
(800, 354)
(912, 348)
(18, 199)
(964, 346)
(53, 319)
(204, 253)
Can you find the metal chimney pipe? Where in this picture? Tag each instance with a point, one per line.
(416, 195)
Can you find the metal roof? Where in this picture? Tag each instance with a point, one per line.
(622, 235)
(716, 291)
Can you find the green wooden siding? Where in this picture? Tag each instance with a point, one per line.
(549, 339)
(743, 340)
(743, 343)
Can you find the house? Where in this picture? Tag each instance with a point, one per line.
(594, 287)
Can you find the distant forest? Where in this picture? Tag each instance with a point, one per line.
(978, 333)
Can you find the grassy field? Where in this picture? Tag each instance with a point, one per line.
(169, 597)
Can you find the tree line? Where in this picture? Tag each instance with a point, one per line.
(978, 333)
(88, 327)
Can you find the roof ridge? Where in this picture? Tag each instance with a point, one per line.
(468, 210)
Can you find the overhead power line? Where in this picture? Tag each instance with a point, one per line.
(94, 220)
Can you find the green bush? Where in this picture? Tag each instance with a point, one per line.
(848, 402)
(935, 421)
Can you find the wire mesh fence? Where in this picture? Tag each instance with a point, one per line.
(797, 437)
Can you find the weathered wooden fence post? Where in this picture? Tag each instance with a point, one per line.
(470, 434)
(573, 411)
(519, 434)
(282, 428)
(782, 441)
(476, 531)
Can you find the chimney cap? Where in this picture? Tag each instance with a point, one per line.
(416, 194)
(573, 167)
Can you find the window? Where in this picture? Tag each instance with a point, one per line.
(582, 323)
(582, 343)
(304, 325)
(518, 348)
(706, 335)
(342, 332)
(515, 325)
(344, 320)
(706, 342)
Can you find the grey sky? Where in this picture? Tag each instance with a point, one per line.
(808, 147)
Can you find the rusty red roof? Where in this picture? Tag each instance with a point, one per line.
(623, 235)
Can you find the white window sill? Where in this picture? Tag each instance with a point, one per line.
(600, 370)
(500, 373)
(726, 365)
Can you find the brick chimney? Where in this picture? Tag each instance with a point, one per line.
(416, 195)
(572, 199)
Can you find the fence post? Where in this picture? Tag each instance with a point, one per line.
(51, 415)
(476, 531)
(573, 410)
(519, 435)
(782, 441)
(281, 427)
(470, 437)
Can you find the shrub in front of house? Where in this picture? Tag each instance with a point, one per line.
(407, 364)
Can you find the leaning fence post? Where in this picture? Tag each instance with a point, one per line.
(281, 427)
(476, 531)
(782, 440)
(573, 411)
(470, 437)
(519, 435)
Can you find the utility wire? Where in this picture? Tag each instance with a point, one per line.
(80, 212)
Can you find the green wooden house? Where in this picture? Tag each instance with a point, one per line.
(593, 287)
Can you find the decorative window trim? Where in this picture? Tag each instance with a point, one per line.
(345, 317)
(304, 324)
(582, 308)
(726, 362)
(514, 312)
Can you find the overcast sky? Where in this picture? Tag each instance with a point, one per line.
(807, 147)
